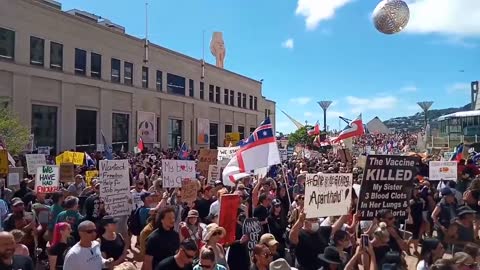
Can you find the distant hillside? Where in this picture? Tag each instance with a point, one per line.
(415, 122)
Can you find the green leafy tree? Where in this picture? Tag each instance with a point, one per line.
(300, 136)
(13, 132)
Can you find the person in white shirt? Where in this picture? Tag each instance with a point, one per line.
(137, 194)
(86, 253)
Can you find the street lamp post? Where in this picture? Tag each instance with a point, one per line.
(425, 105)
(324, 105)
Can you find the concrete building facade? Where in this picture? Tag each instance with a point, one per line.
(72, 77)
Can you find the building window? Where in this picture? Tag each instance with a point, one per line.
(244, 98)
(128, 73)
(211, 95)
(255, 103)
(228, 129)
(213, 136)
(159, 80)
(37, 51)
(159, 124)
(56, 55)
(250, 103)
(217, 94)
(174, 133)
(191, 88)
(86, 133)
(202, 90)
(7, 44)
(241, 130)
(96, 65)
(267, 113)
(115, 70)
(175, 84)
(252, 129)
(232, 98)
(225, 96)
(44, 126)
(145, 77)
(239, 99)
(80, 61)
(120, 128)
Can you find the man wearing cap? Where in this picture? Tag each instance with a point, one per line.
(21, 220)
(76, 188)
(445, 212)
(461, 232)
(269, 240)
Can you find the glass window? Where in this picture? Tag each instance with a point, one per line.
(232, 98)
(80, 61)
(7, 44)
(175, 84)
(37, 46)
(213, 136)
(228, 128)
(250, 103)
(241, 130)
(115, 70)
(44, 126)
(217, 94)
(56, 55)
(86, 133)
(191, 88)
(239, 99)
(128, 73)
(244, 98)
(145, 77)
(225, 96)
(255, 103)
(252, 129)
(211, 94)
(120, 128)
(96, 65)
(202, 90)
(159, 124)
(159, 80)
(174, 133)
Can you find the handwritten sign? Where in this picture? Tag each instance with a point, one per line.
(283, 154)
(15, 174)
(189, 190)
(442, 170)
(89, 175)
(206, 157)
(252, 228)
(46, 179)
(175, 171)
(213, 172)
(328, 194)
(44, 150)
(34, 161)
(3, 162)
(66, 172)
(224, 155)
(115, 187)
(78, 158)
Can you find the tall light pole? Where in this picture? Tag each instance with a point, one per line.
(425, 105)
(324, 105)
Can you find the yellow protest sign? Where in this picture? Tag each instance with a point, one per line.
(3, 162)
(89, 175)
(67, 157)
(59, 159)
(78, 158)
(232, 137)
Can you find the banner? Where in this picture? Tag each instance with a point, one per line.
(174, 171)
(228, 218)
(328, 194)
(67, 173)
(442, 170)
(387, 184)
(213, 174)
(189, 190)
(34, 161)
(146, 127)
(115, 187)
(89, 175)
(46, 179)
(252, 228)
(232, 138)
(206, 157)
(4, 162)
(203, 131)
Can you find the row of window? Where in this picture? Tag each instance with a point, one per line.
(175, 84)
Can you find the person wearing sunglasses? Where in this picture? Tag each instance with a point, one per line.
(182, 260)
(207, 260)
(86, 254)
(262, 257)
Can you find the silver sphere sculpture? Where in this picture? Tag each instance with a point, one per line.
(391, 16)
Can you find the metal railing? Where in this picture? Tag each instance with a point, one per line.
(450, 141)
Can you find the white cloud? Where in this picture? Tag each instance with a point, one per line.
(316, 11)
(288, 44)
(449, 17)
(307, 114)
(409, 89)
(301, 100)
(359, 105)
(458, 87)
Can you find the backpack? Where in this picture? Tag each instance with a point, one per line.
(134, 224)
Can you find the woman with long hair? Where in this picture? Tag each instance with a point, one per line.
(59, 245)
(381, 237)
(277, 223)
(213, 235)
(432, 250)
(262, 257)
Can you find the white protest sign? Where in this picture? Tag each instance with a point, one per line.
(44, 150)
(115, 187)
(13, 179)
(213, 171)
(34, 161)
(174, 171)
(442, 170)
(224, 154)
(47, 179)
(283, 154)
(328, 194)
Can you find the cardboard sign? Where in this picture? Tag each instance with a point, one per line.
(3, 162)
(252, 228)
(89, 175)
(115, 187)
(328, 194)
(442, 170)
(206, 157)
(189, 190)
(387, 184)
(46, 179)
(175, 171)
(67, 173)
(34, 161)
(213, 174)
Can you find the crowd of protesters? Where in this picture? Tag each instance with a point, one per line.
(70, 229)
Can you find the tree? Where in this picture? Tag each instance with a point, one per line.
(13, 132)
(300, 136)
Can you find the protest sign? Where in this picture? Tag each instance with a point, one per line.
(3, 162)
(67, 173)
(46, 179)
(115, 187)
(174, 171)
(44, 150)
(89, 175)
(290, 152)
(225, 154)
(78, 158)
(228, 218)
(232, 138)
(189, 190)
(387, 184)
(67, 157)
(252, 228)
(206, 157)
(213, 171)
(34, 161)
(328, 194)
(283, 154)
(442, 170)
(15, 174)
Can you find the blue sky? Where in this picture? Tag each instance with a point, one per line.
(311, 50)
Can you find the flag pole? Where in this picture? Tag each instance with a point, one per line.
(286, 186)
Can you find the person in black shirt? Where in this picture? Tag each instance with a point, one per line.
(8, 261)
(203, 205)
(93, 206)
(183, 259)
(261, 211)
(59, 244)
(163, 242)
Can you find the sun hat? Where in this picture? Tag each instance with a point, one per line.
(330, 255)
(192, 213)
(211, 229)
(280, 264)
(268, 239)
